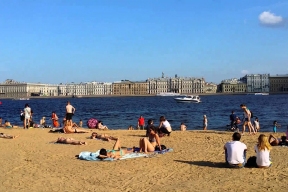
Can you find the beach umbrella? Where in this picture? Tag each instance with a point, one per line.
(92, 123)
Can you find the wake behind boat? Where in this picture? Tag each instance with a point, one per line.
(189, 98)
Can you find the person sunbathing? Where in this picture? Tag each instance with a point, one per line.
(70, 141)
(278, 141)
(5, 136)
(69, 129)
(151, 144)
(116, 153)
(7, 124)
(104, 137)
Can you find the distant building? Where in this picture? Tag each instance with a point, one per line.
(127, 87)
(175, 84)
(233, 86)
(210, 88)
(256, 82)
(278, 83)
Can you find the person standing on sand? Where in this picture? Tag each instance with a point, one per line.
(141, 123)
(54, 119)
(232, 119)
(235, 152)
(247, 120)
(205, 122)
(27, 113)
(70, 110)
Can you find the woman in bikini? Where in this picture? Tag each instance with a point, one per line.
(153, 141)
(116, 153)
(69, 129)
(104, 137)
(70, 141)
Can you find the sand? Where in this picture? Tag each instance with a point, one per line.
(32, 163)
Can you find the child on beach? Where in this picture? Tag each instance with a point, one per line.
(256, 124)
(275, 126)
(205, 122)
(80, 123)
(130, 127)
(183, 127)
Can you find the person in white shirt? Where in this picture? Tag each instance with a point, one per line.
(235, 152)
(262, 150)
(27, 113)
(256, 124)
(164, 127)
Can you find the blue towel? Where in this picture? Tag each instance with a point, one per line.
(90, 156)
(163, 151)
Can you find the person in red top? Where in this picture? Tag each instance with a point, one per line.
(54, 119)
(141, 123)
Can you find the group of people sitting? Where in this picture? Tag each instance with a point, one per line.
(235, 151)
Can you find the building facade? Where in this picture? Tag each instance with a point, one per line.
(183, 85)
(210, 88)
(256, 82)
(233, 86)
(278, 84)
(127, 87)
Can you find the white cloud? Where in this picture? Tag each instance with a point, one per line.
(268, 18)
(244, 72)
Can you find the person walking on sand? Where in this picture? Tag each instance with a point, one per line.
(247, 119)
(27, 114)
(205, 122)
(70, 110)
(141, 123)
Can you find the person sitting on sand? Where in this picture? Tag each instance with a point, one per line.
(101, 126)
(70, 141)
(80, 123)
(69, 129)
(277, 141)
(1, 122)
(43, 122)
(104, 137)
(116, 153)
(262, 150)
(235, 152)
(183, 127)
(150, 123)
(5, 136)
(7, 124)
(130, 127)
(164, 127)
(153, 141)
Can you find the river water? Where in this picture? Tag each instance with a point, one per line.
(120, 112)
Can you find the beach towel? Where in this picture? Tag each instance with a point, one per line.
(90, 156)
(92, 123)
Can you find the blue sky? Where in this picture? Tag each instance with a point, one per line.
(108, 40)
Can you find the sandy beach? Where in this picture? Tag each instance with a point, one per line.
(32, 163)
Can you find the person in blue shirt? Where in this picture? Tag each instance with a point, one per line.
(232, 119)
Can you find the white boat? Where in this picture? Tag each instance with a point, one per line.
(21, 99)
(168, 94)
(189, 98)
(257, 93)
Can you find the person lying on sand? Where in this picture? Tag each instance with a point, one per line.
(278, 141)
(69, 129)
(104, 137)
(70, 141)
(116, 153)
(5, 136)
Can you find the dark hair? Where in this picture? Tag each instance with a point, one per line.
(274, 122)
(242, 105)
(182, 123)
(103, 152)
(150, 121)
(236, 136)
(26, 105)
(232, 112)
(283, 139)
(6, 121)
(152, 128)
(53, 111)
(162, 118)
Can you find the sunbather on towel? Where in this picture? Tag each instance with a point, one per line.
(70, 141)
(69, 129)
(104, 137)
(5, 136)
(153, 142)
(116, 153)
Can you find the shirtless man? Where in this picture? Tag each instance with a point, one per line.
(70, 110)
(247, 121)
(5, 136)
(70, 141)
(104, 137)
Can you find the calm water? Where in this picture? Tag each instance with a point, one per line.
(120, 112)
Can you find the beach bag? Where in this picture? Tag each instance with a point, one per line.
(22, 117)
(251, 114)
(92, 123)
(251, 162)
(162, 148)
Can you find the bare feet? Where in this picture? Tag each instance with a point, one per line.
(14, 137)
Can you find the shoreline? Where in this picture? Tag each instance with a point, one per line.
(148, 95)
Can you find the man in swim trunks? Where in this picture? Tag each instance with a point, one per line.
(247, 121)
(70, 141)
(70, 110)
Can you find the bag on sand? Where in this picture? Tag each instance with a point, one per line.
(162, 148)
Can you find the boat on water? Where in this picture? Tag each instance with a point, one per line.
(21, 99)
(257, 93)
(76, 96)
(189, 98)
(168, 94)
